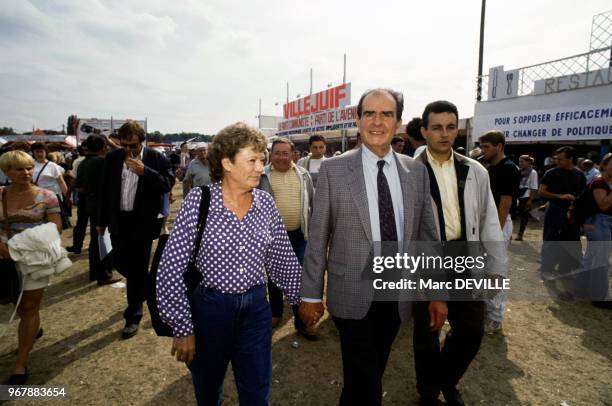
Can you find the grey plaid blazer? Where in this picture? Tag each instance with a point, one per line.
(340, 237)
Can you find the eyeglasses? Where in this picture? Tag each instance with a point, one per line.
(131, 146)
(383, 115)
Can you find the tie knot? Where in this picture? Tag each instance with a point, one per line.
(380, 164)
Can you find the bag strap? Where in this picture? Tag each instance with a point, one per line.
(202, 216)
(7, 224)
(40, 173)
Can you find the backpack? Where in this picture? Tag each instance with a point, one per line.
(192, 276)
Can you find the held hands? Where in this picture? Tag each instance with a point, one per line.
(311, 313)
(184, 349)
(437, 314)
(135, 165)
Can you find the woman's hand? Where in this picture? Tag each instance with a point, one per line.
(184, 348)
(4, 252)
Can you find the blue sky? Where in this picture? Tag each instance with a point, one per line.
(192, 65)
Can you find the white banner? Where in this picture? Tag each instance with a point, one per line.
(88, 126)
(339, 119)
(572, 82)
(586, 122)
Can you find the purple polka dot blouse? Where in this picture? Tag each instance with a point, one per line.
(234, 255)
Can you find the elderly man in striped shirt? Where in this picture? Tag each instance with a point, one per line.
(292, 189)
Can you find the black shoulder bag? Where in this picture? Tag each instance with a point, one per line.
(192, 276)
(10, 278)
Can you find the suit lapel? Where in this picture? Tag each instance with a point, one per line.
(358, 191)
(145, 161)
(408, 195)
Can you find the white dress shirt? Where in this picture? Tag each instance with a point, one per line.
(129, 186)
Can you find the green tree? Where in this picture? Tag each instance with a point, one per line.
(7, 131)
(71, 125)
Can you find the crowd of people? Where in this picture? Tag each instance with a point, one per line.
(279, 224)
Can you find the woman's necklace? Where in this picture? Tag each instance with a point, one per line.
(234, 204)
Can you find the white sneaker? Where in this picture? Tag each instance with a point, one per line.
(493, 327)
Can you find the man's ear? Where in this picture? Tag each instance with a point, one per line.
(424, 132)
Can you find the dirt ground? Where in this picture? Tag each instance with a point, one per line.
(551, 353)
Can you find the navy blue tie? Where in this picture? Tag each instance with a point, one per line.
(386, 215)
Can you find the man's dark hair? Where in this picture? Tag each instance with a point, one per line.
(493, 137)
(81, 149)
(396, 139)
(19, 146)
(38, 145)
(570, 152)
(131, 128)
(397, 96)
(95, 143)
(282, 140)
(437, 107)
(413, 129)
(315, 138)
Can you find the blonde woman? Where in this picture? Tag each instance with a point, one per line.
(24, 205)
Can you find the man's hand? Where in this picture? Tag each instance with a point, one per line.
(437, 314)
(311, 313)
(184, 348)
(135, 165)
(100, 230)
(567, 196)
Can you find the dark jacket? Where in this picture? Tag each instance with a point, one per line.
(88, 182)
(158, 179)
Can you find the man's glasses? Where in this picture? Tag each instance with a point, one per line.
(131, 146)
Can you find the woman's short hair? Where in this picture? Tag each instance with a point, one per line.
(38, 145)
(228, 142)
(15, 159)
(55, 157)
(527, 158)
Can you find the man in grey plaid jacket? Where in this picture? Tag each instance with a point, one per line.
(345, 225)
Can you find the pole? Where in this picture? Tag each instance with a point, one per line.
(480, 50)
(259, 116)
(344, 70)
(311, 81)
(287, 92)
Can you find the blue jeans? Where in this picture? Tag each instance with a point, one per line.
(234, 328)
(561, 251)
(592, 282)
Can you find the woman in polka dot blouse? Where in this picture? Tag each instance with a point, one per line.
(227, 318)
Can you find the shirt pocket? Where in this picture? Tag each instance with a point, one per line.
(259, 238)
